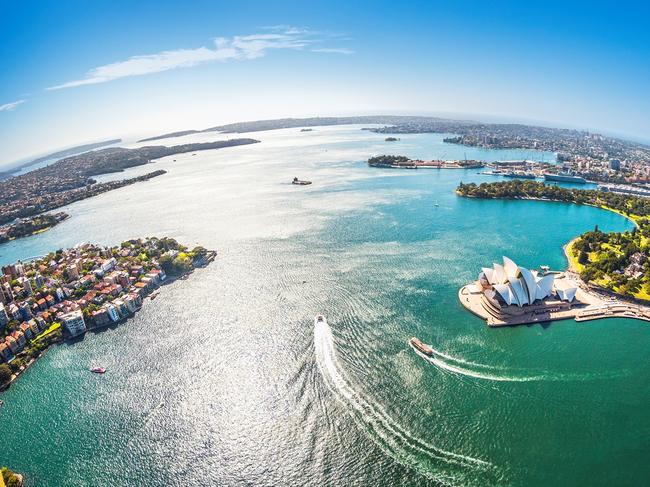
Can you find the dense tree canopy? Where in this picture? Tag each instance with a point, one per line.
(619, 260)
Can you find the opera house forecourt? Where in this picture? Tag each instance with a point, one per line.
(508, 294)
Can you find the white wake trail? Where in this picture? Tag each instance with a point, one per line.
(399, 443)
(471, 373)
(488, 372)
(463, 361)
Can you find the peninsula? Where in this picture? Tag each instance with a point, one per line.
(403, 162)
(68, 292)
(7, 172)
(26, 227)
(70, 179)
(608, 275)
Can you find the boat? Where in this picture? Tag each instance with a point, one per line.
(98, 370)
(320, 320)
(300, 182)
(519, 175)
(421, 347)
(2, 403)
(564, 178)
(153, 295)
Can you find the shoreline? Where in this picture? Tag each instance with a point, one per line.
(40, 230)
(588, 305)
(595, 303)
(548, 200)
(94, 327)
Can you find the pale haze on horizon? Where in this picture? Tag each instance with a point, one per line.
(81, 72)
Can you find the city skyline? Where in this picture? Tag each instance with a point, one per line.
(76, 73)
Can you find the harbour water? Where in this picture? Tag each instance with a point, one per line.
(223, 380)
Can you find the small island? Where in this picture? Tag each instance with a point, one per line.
(69, 292)
(403, 162)
(611, 271)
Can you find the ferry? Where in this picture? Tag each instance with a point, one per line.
(300, 182)
(564, 178)
(421, 347)
(98, 370)
(320, 319)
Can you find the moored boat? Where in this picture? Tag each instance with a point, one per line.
(421, 347)
(564, 178)
(519, 175)
(98, 370)
(300, 182)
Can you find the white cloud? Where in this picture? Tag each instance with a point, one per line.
(224, 49)
(334, 50)
(8, 107)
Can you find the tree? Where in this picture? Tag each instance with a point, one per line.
(199, 252)
(5, 373)
(588, 274)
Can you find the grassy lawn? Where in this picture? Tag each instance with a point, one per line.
(643, 294)
(50, 330)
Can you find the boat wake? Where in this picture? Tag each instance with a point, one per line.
(434, 463)
(489, 372)
(438, 360)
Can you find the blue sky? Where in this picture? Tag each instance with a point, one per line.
(74, 71)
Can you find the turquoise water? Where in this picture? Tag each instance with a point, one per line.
(224, 381)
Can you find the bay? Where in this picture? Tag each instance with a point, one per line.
(223, 381)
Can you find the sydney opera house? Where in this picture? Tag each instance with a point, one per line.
(511, 284)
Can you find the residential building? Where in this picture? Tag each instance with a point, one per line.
(11, 342)
(74, 323)
(19, 336)
(5, 352)
(4, 317)
(112, 312)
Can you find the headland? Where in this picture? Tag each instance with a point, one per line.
(88, 287)
(607, 274)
